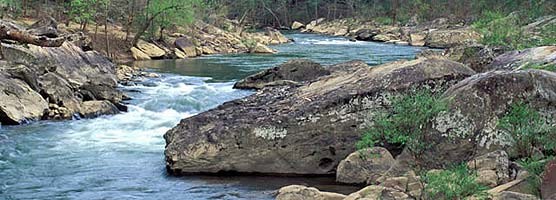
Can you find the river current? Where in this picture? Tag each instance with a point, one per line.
(121, 156)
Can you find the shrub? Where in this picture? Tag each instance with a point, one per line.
(528, 130)
(405, 125)
(455, 183)
(548, 67)
(501, 30)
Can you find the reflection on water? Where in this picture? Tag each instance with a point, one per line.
(121, 156)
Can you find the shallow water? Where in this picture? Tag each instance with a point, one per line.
(121, 156)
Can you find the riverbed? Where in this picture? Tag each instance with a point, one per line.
(121, 156)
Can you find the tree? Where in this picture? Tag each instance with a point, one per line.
(164, 13)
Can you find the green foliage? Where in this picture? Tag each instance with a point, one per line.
(406, 124)
(455, 183)
(383, 20)
(547, 67)
(500, 29)
(83, 11)
(535, 166)
(249, 43)
(529, 131)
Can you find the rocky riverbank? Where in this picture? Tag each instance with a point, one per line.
(206, 39)
(309, 125)
(59, 82)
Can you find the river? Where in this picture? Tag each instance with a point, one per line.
(121, 156)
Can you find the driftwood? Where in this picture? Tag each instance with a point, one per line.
(11, 31)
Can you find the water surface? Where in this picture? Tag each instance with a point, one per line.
(121, 156)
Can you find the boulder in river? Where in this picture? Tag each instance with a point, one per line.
(291, 72)
(300, 130)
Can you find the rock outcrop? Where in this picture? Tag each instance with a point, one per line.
(297, 25)
(469, 127)
(292, 72)
(451, 38)
(299, 130)
(53, 82)
(545, 55)
(203, 39)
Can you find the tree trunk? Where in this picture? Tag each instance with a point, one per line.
(8, 31)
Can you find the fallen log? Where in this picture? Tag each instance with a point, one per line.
(13, 32)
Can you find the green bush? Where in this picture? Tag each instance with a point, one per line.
(529, 131)
(405, 125)
(501, 30)
(455, 183)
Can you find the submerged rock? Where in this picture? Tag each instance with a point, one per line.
(299, 130)
(290, 72)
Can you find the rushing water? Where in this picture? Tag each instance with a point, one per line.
(121, 156)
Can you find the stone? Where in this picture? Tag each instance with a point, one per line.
(493, 168)
(19, 102)
(366, 34)
(469, 127)
(90, 109)
(150, 49)
(397, 183)
(487, 178)
(261, 48)
(548, 185)
(297, 25)
(305, 129)
(512, 60)
(506, 195)
(187, 46)
(478, 57)
(298, 192)
(451, 38)
(384, 37)
(293, 70)
(417, 39)
(138, 54)
(179, 54)
(376, 192)
(364, 165)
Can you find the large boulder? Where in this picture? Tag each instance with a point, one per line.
(19, 102)
(300, 130)
(261, 48)
(451, 38)
(364, 166)
(299, 192)
(469, 127)
(293, 70)
(150, 49)
(187, 46)
(545, 55)
(90, 109)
